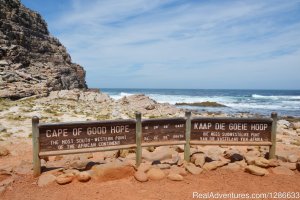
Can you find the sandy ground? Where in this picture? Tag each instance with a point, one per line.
(219, 181)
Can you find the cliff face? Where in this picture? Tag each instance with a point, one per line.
(31, 61)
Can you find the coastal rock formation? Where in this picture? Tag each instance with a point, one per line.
(31, 60)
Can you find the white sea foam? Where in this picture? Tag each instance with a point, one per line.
(255, 103)
(256, 96)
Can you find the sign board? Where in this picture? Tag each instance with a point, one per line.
(231, 130)
(68, 136)
(162, 130)
(84, 137)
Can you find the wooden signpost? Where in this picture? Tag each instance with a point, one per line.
(84, 137)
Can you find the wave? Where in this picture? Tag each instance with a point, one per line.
(257, 96)
(119, 95)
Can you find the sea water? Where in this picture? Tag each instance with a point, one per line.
(263, 102)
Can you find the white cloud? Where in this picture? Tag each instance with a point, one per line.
(184, 44)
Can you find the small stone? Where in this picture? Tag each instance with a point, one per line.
(75, 172)
(292, 158)
(3, 151)
(236, 157)
(281, 170)
(83, 176)
(163, 166)
(198, 159)
(273, 163)
(175, 177)
(242, 163)
(232, 167)
(193, 169)
(144, 167)
(255, 170)
(213, 165)
(298, 166)
(79, 164)
(155, 174)
(261, 162)
(46, 179)
(178, 170)
(250, 159)
(123, 153)
(291, 166)
(59, 157)
(156, 162)
(64, 179)
(141, 176)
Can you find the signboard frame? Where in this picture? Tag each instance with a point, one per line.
(139, 143)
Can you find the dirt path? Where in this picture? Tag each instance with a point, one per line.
(221, 181)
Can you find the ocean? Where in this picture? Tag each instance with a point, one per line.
(263, 102)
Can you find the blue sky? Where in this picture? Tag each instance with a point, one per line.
(206, 44)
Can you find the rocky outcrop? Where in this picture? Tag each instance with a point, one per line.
(31, 60)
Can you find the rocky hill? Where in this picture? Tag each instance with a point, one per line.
(31, 61)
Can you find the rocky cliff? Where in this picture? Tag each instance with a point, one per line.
(31, 61)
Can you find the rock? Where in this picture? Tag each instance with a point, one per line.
(292, 158)
(141, 176)
(112, 171)
(35, 62)
(59, 157)
(255, 170)
(83, 176)
(64, 179)
(298, 166)
(75, 172)
(163, 166)
(155, 174)
(236, 157)
(175, 177)
(214, 153)
(261, 162)
(123, 153)
(79, 164)
(160, 153)
(283, 123)
(144, 167)
(232, 167)
(198, 159)
(178, 170)
(250, 159)
(3, 151)
(2, 128)
(45, 179)
(295, 125)
(156, 162)
(291, 166)
(273, 163)
(282, 171)
(193, 169)
(213, 165)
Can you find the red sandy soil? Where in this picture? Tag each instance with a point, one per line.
(219, 181)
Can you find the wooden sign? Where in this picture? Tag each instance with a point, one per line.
(68, 136)
(84, 137)
(231, 130)
(162, 130)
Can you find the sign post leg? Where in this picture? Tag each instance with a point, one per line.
(36, 147)
(138, 135)
(187, 151)
(273, 136)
